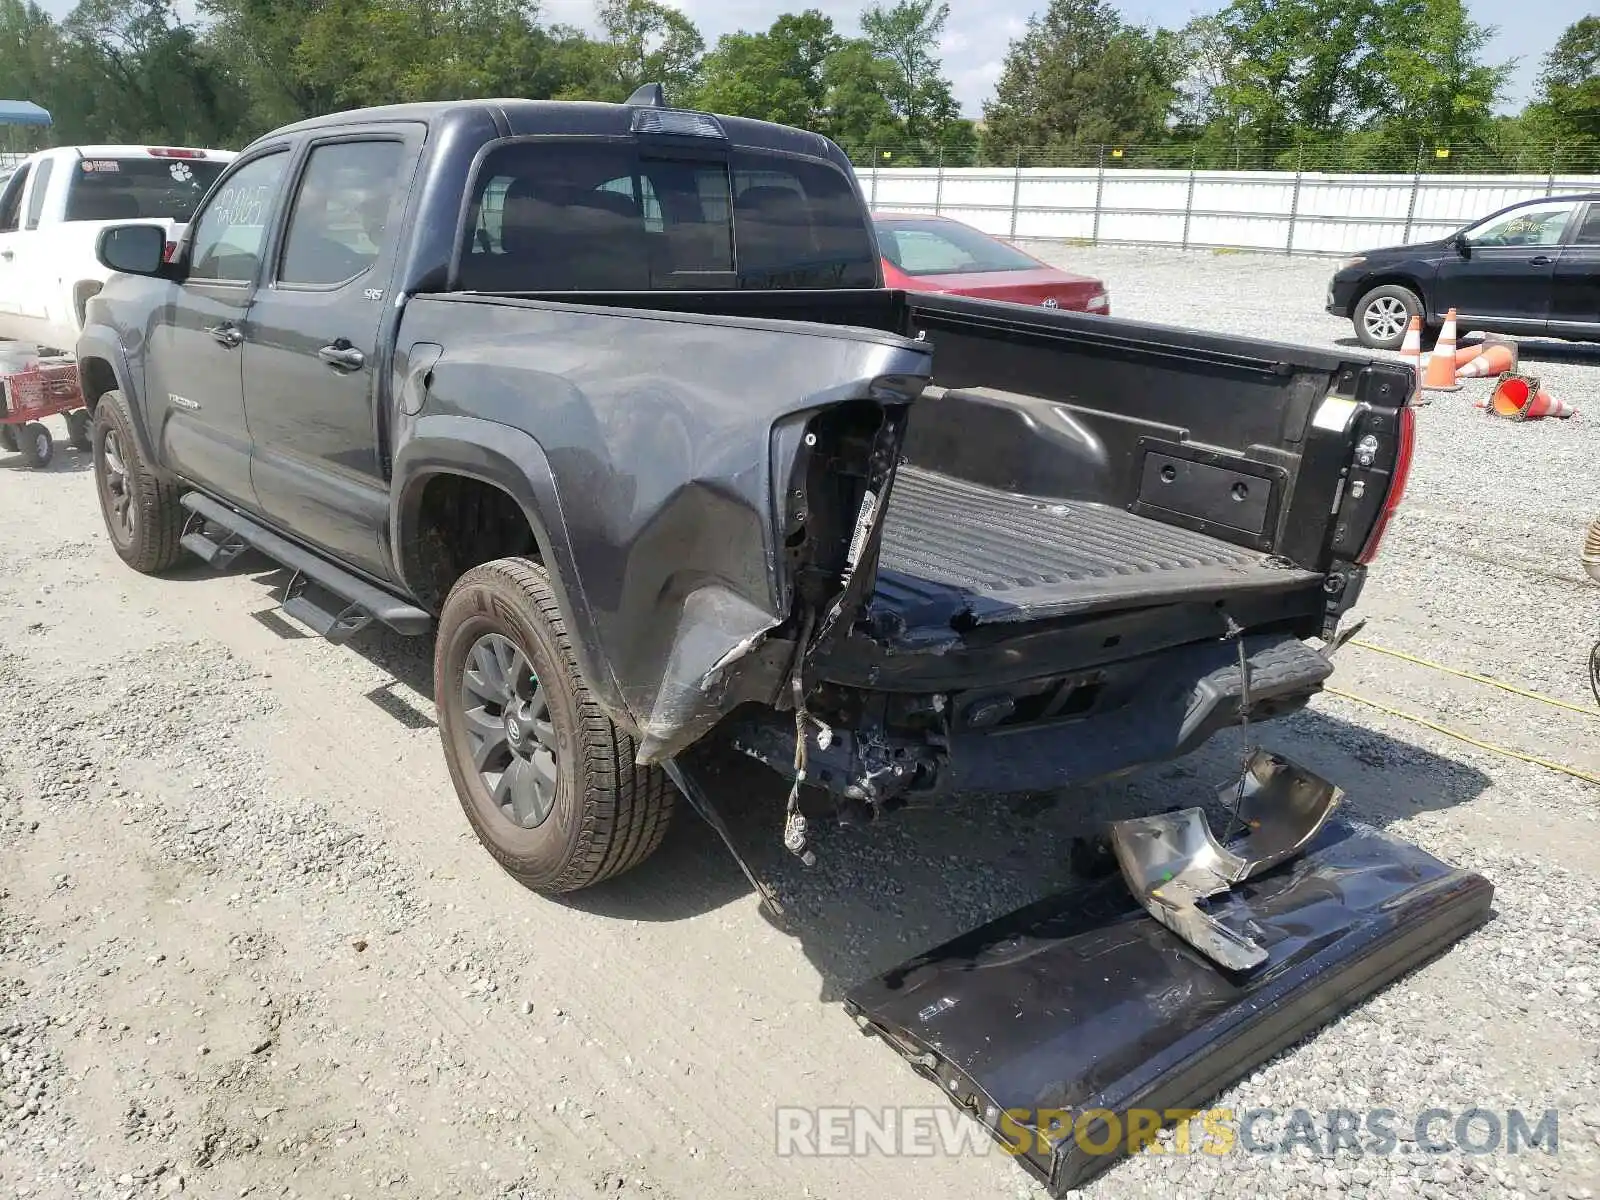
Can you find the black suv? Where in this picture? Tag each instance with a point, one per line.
(1532, 268)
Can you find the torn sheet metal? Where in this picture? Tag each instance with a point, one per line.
(1082, 1012)
(1172, 862)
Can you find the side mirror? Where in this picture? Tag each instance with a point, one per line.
(1463, 247)
(133, 249)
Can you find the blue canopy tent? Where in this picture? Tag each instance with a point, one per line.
(23, 113)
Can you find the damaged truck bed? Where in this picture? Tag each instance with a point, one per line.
(620, 406)
(611, 401)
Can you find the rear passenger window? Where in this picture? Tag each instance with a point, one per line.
(596, 217)
(1589, 231)
(341, 211)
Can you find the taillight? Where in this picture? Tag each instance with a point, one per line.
(1407, 433)
(166, 251)
(173, 152)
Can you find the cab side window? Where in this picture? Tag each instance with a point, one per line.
(11, 201)
(230, 231)
(1537, 225)
(341, 213)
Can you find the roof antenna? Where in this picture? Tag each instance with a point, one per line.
(650, 95)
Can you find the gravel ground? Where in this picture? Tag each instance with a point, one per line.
(247, 946)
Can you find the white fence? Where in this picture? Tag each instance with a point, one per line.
(1292, 213)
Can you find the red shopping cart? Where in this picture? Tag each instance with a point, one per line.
(27, 397)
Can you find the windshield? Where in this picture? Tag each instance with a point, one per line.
(122, 189)
(946, 248)
(592, 216)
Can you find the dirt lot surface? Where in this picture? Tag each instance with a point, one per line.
(248, 946)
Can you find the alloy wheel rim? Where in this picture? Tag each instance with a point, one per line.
(1385, 318)
(118, 495)
(506, 714)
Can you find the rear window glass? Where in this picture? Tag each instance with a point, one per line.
(555, 216)
(122, 189)
(946, 248)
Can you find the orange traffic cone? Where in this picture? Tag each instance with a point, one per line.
(1495, 358)
(1440, 375)
(1411, 348)
(1520, 398)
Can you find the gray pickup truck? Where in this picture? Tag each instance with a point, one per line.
(613, 399)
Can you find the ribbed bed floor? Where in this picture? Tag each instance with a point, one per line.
(1001, 556)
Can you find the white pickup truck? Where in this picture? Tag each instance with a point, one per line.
(52, 208)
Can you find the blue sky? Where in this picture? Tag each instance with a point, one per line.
(980, 30)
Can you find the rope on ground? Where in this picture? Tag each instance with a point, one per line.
(1465, 737)
(1476, 678)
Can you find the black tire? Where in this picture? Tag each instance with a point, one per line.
(79, 434)
(605, 814)
(141, 512)
(35, 445)
(8, 438)
(1380, 317)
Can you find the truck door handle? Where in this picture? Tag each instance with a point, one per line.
(7, 255)
(227, 335)
(1540, 260)
(342, 356)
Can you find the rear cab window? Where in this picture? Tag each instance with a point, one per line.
(124, 188)
(553, 215)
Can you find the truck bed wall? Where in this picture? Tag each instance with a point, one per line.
(1194, 429)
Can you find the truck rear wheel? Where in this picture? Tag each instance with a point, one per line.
(547, 781)
(8, 438)
(141, 512)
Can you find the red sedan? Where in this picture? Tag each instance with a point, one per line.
(936, 254)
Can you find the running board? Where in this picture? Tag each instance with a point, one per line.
(362, 602)
(1076, 1027)
(218, 555)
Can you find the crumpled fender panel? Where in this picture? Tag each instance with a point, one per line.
(1055, 1025)
(663, 433)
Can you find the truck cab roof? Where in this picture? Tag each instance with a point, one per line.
(513, 117)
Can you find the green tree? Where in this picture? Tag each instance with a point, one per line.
(646, 41)
(1568, 97)
(1202, 105)
(857, 113)
(773, 76)
(32, 56)
(143, 74)
(1080, 76)
(261, 39)
(906, 37)
(365, 52)
(1304, 69)
(1438, 89)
